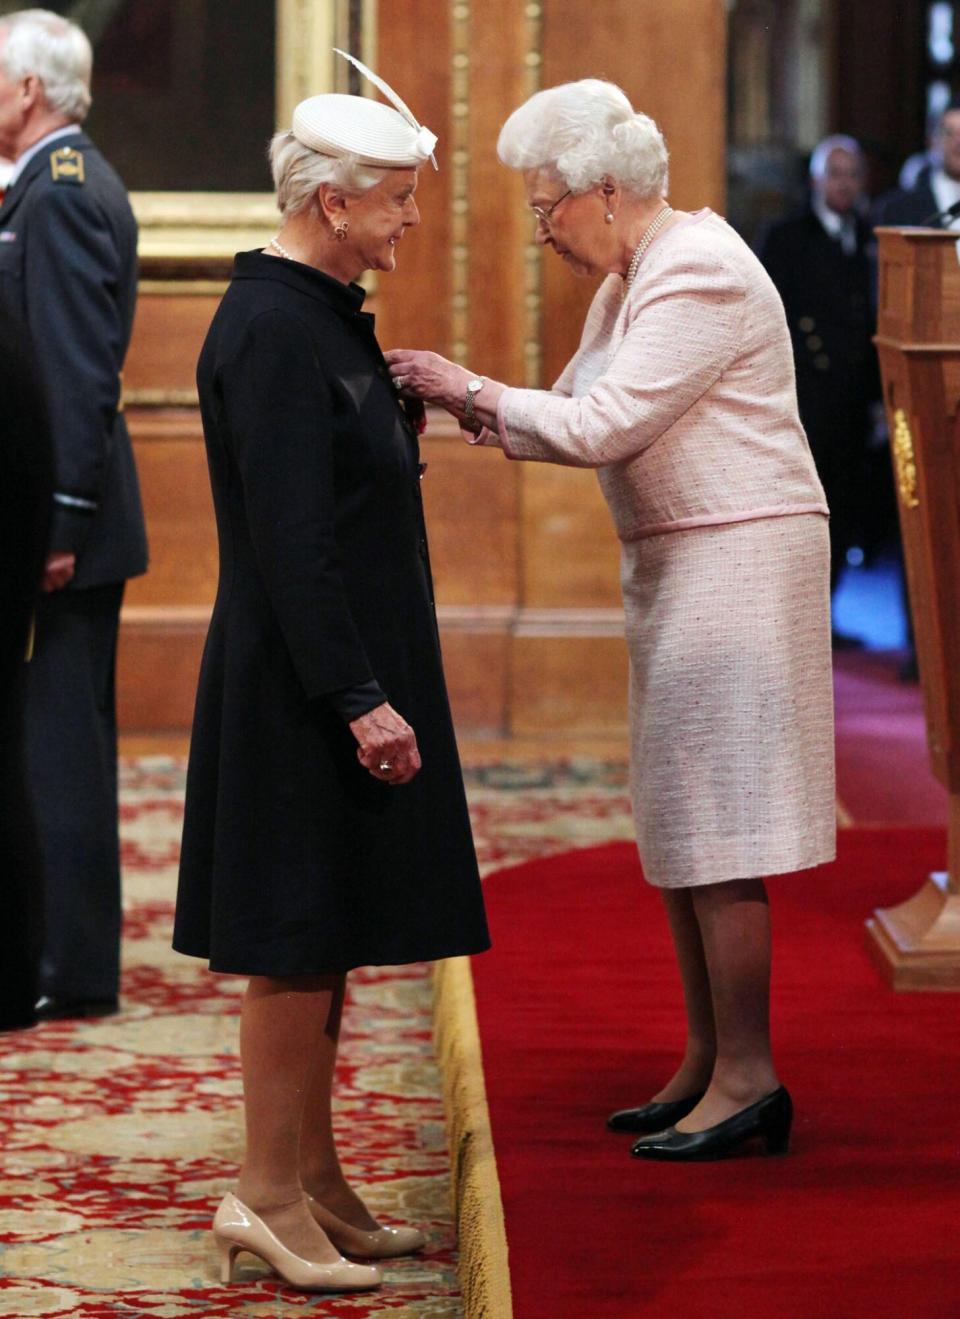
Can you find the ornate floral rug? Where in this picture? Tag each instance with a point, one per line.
(118, 1137)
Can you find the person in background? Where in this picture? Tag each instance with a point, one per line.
(26, 485)
(918, 166)
(68, 274)
(936, 188)
(822, 261)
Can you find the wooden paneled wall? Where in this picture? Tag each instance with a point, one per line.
(525, 560)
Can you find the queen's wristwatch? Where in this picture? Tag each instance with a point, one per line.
(473, 389)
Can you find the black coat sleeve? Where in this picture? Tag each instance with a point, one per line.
(277, 407)
(76, 322)
(778, 256)
(26, 482)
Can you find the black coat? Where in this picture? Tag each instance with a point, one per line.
(912, 206)
(68, 273)
(26, 483)
(829, 300)
(294, 858)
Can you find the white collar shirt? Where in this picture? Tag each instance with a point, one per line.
(946, 193)
(23, 160)
(841, 227)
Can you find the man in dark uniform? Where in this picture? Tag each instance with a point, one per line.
(822, 262)
(68, 269)
(936, 188)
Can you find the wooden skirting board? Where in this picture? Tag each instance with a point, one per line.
(510, 672)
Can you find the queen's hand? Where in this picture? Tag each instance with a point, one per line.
(428, 376)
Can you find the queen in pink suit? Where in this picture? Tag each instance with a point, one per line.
(682, 396)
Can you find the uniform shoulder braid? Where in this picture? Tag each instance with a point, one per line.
(66, 166)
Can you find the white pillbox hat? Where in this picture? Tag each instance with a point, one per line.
(337, 125)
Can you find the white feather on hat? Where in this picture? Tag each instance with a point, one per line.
(336, 125)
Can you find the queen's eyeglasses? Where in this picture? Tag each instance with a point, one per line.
(543, 213)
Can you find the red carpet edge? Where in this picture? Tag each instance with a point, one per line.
(580, 1011)
(478, 1208)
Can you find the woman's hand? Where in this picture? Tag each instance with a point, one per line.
(58, 571)
(388, 745)
(429, 376)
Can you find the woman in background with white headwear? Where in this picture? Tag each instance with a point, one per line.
(326, 826)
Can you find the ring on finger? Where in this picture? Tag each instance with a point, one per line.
(385, 766)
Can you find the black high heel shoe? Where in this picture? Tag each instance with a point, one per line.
(653, 1117)
(769, 1119)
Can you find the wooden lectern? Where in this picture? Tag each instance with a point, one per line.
(917, 945)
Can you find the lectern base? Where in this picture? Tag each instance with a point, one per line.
(917, 945)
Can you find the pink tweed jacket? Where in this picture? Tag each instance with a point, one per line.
(681, 392)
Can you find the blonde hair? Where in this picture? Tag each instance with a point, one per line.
(298, 172)
(584, 132)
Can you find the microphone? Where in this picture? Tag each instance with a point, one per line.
(950, 213)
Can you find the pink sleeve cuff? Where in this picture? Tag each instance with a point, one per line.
(502, 433)
(483, 437)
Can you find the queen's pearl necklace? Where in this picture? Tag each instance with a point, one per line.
(651, 231)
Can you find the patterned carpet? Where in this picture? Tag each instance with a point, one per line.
(119, 1137)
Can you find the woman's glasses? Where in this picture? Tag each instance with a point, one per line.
(543, 213)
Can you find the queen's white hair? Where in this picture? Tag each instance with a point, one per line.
(584, 132)
(824, 150)
(53, 49)
(298, 172)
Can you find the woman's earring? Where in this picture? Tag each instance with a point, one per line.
(340, 231)
(609, 217)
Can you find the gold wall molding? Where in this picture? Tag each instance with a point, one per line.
(202, 226)
(307, 31)
(459, 187)
(533, 253)
(528, 622)
(160, 398)
(451, 618)
(216, 224)
(306, 34)
(196, 288)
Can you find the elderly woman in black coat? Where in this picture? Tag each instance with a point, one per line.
(326, 825)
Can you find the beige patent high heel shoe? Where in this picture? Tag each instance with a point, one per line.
(383, 1243)
(237, 1228)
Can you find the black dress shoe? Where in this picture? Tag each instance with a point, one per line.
(769, 1119)
(653, 1117)
(58, 1009)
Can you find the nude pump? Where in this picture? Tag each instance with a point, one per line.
(237, 1228)
(383, 1243)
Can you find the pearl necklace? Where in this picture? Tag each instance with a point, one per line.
(274, 242)
(648, 236)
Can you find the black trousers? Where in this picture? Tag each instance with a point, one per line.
(20, 880)
(70, 740)
(839, 450)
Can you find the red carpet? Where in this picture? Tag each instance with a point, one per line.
(580, 1013)
(883, 768)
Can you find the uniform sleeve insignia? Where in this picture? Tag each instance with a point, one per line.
(66, 165)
